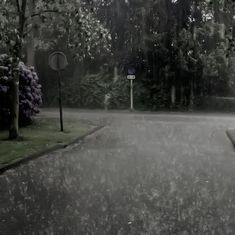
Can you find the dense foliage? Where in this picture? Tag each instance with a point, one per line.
(182, 50)
(90, 92)
(24, 27)
(30, 91)
(72, 25)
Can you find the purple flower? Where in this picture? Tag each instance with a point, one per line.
(30, 89)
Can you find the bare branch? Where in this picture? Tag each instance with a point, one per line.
(43, 12)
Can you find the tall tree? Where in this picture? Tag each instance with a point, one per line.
(18, 23)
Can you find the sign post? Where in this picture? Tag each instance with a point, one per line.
(132, 105)
(131, 77)
(60, 102)
(58, 62)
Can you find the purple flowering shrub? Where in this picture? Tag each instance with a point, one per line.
(5, 77)
(30, 95)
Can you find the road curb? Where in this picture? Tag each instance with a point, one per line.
(231, 135)
(47, 151)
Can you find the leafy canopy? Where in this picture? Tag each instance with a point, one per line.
(73, 23)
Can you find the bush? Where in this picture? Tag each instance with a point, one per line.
(212, 103)
(30, 94)
(86, 93)
(29, 91)
(5, 77)
(90, 92)
(120, 94)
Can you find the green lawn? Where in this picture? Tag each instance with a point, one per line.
(41, 135)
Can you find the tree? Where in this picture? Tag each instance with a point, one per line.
(19, 22)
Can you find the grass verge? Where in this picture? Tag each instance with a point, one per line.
(42, 135)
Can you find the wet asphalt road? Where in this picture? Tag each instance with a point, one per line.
(141, 174)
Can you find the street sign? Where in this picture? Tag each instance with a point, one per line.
(130, 77)
(58, 61)
(131, 71)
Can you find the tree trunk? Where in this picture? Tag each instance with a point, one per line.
(14, 107)
(191, 99)
(31, 45)
(14, 89)
(115, 73)
(233, 27)
(182, 103)
(173, 95)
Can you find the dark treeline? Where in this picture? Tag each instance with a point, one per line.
(183, 50)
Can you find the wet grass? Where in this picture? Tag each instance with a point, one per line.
(43, 134)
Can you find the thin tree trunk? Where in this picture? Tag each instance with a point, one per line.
(233, 27)
(181, 88)
(194, 35)
(14, 107)
(173, 93)
(31, 45)
(191, 101)
(14, 89)
(115, 73)
(182, 103)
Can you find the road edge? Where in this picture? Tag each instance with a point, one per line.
(47, 151)
(231, 135)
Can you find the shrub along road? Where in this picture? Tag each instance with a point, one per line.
(141, 174)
